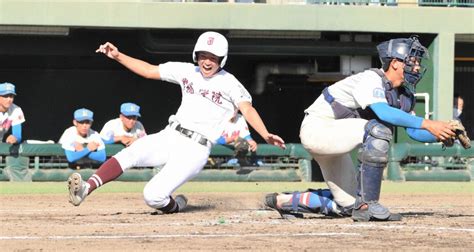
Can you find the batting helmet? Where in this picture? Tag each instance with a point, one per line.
(214, 43)
(409, 51)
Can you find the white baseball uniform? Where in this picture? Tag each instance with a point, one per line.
(115, 127)
(70, 137)
(13, 116)
(238, 127)
(330, 141)
(206, 107)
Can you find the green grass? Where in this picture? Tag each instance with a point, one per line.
(115, 187)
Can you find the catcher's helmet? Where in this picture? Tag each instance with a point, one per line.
(409, 51)
(214, 43)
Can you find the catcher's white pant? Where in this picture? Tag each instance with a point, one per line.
(330, 142)
(182, 157)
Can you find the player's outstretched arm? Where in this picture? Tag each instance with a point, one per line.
(137, 66)
(253, 118)
(398, 117)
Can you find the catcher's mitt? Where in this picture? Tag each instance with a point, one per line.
(461, 135)
(241, 147)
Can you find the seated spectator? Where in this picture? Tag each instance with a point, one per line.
(125, 129)
(11, 116)
(458, 106)
(82, 145)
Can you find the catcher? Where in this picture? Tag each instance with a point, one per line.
(361, 111)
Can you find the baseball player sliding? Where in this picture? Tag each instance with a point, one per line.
(210, 97)
(361, 111)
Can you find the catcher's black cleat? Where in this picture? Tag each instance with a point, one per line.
(364, 215)
(271, 202)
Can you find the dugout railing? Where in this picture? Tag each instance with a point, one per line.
(47, 162)
(407, 162)
(430, 162)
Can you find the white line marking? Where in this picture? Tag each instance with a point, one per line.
(100, 237)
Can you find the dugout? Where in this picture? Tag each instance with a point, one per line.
(47, 162)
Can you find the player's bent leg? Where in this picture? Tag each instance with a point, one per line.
(108, 171)
(78, 189)
(148, 151)
(340, 176)
(322, 136)
(373, 156)
(294, 204)
(174, 173)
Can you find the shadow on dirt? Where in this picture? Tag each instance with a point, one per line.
(423, 214)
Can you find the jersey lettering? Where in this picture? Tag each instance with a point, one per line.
(204, 92)
(188, 87)
(216, 97)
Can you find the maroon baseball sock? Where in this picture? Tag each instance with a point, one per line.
(107, 172)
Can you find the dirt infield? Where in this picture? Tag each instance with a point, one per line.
(226, 221)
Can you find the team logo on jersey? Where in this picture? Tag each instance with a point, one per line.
(210, 40)
(378, 93)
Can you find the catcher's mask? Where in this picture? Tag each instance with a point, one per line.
(410, 52)
(214, 43)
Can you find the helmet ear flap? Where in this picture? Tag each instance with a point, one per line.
(386, 63)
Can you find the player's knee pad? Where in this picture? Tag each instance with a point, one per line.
(376, 144)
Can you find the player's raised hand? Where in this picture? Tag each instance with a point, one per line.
(275, 140)
(108, 49)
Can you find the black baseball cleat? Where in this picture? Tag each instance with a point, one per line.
(181, 201)
(364, 215)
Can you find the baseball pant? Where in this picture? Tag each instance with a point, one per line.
(181, 159)
(330, 142)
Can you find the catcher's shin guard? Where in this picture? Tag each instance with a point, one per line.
(311, 201)
(367, 207)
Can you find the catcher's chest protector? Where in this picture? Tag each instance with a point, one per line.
(401, 98)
